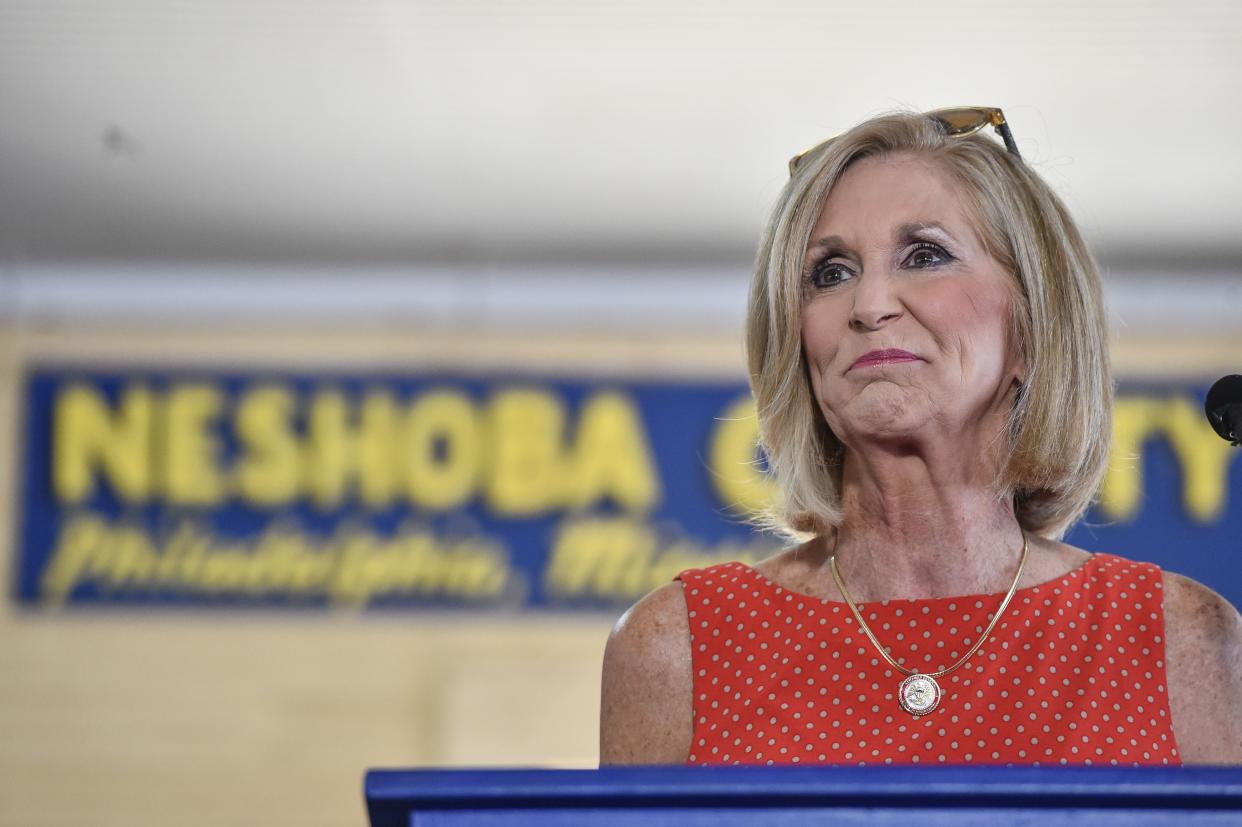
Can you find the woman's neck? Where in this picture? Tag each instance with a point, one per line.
(909, 532)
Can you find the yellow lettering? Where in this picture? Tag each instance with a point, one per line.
(337, 454)
(133, 560)
(191, 447)
(594, 557)
(76, 558)
(1204, 458)
(353, 568)
(327, 450)
(622, 558)
(377, 466)
(88, 436)
(415, 562)
(268, 472)
(526, 469)
(443, 450)
(225, 570)
(611, 457)
(91, 551)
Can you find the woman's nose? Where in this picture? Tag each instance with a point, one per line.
(876, 303)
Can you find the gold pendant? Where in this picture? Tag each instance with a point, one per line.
(919, 694)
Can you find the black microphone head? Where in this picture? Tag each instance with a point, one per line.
(1224, 407)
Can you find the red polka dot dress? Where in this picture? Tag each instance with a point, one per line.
(1072, 674)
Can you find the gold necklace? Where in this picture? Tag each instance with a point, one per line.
(919, 694)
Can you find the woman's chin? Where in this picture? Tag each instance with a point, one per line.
(884, 417)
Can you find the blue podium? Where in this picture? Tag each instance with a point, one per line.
(785, 796)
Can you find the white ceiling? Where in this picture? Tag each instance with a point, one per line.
(347, 130)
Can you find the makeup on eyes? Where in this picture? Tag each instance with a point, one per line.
(913, 239)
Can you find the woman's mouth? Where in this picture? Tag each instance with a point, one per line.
(884, 357)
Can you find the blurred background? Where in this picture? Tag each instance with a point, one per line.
(360, 362)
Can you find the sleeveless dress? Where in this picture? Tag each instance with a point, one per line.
(1072, 674)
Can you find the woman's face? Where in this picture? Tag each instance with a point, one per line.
(906, 317)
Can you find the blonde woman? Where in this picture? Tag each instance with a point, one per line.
(927, 352)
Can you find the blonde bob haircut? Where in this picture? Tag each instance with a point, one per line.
(1059, 429)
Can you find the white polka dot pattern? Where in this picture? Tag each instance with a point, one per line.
(1072, 674)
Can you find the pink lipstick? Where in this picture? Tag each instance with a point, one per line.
(884, 357)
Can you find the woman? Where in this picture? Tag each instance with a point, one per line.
(927, 351)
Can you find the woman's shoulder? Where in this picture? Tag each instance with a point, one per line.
(647, 683)
(1198, 608)
(655, 621)
(1202, 628)
(657, 627)
(1202, 663)
(1203, 667)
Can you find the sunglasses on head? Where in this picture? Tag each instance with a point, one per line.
(956, 122)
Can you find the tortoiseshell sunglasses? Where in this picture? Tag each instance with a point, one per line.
(958, 121)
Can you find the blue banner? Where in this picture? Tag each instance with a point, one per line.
(178, 487)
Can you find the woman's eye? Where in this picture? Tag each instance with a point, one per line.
(927, 254)
(829, 274)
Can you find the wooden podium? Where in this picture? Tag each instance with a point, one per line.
(903, 796)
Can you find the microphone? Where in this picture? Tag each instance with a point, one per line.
(1224, 408)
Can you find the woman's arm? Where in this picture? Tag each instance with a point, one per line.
(1203, 663)
(646, 698)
